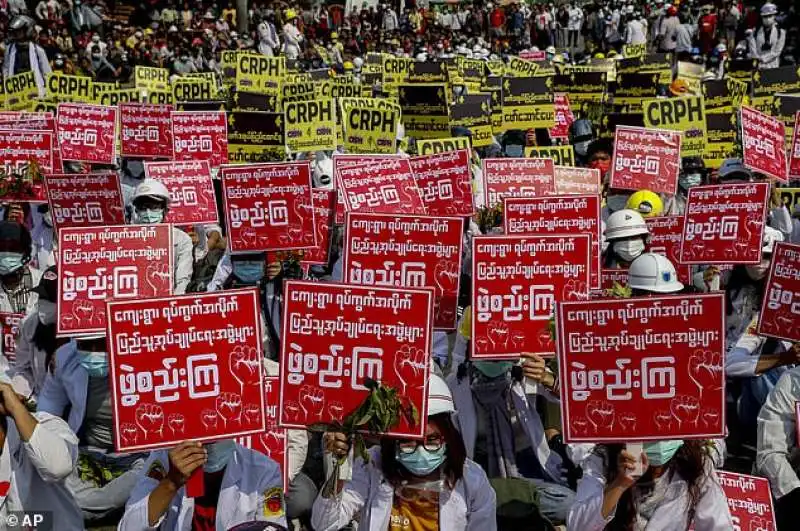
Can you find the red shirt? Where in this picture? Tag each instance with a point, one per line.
(205, 507)
(498, 18)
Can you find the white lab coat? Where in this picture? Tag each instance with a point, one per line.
(777, 436)
(292, 39)
(575, 21)
(268, 38)
(28, 372)
(182, 259)
(33, 298)
(771, 58)
(711, 511)
(470, 506)
(297, 440)
(36, 470)
(247, 482)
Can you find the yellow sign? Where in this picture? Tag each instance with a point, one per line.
(310, 125)
(64, 87)
(115, 97)
(193, 89)
(521, 68)
(441, 145)
(150, 78)
(259, 73)
(370, 125)
(21, 91)
(634, 50)
(396, 69)
(561, 155)
(679, 114)
(529, 117)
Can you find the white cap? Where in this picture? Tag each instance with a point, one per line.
(653, 272)
(151, 188)
(771, 236)
(440, 399)
(625, 223)
(769, 9)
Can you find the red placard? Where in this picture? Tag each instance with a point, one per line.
(337, 335)
(579, 181)
(557, 215)
(749, 501)
(763, 143)
(532, 55)
(665, 237)
(191, 191)
(20, 147)
(377, 184)
(646, 159)
(146, 130)
(200, 135)
(324, 207)
(516, 282)
(273, 441)
(407, 252)
(96, 264)
(15, 116)
(610, 276)
(642, 369)
(268, 206)
(517, 178)
(85, 200)
(9, 323)
(724, 224)
(794, 152)
(445, 183)
(780, 313)
(185, 368)
(564, 116)
(87, 133)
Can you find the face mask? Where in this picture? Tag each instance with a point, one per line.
(148, 217)
(95, 56)
(219, 453)
(689, 180)
(769, 21)
(47, 312)
(10, 262)
(758, 271)
(249, 272)
(602, 165)
(95, 363)
(659, 453)
(629, 250)
(616, 202)
(493, 369)
(422, 462)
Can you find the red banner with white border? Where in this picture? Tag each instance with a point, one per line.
(609, 277)
(191, 191)
(97, 264)
(649, 368)
(763, 143)
(564, 116)
(377, 184)
(512, 177)
(749, 501)
(407, 252)
(445, 182)
(335, 336)
(85, 200)
(646, 159)
(268, 206)
(666, 233)
(87, 133)
(724, 224)
(794, 150)
(780, 312)
(185, 368)
(516, 282)
(577, 181)
(532, 216)
(20, 147)
(200, 135)
(324, 210)
(146, 130)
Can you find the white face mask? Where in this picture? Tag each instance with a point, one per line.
(629, 250)
(758, 271)
(47, 312)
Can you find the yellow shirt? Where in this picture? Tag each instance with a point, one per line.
(414, 510)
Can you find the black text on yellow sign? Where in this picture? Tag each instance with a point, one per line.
(20, 91)
(441, 145)
(191, 89)
(150, 78)
(561, 155)
(529, 117)
(258, 73)
(310, 125)
(686, 115)
(370, 126)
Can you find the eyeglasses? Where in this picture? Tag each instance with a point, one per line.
(432, 443)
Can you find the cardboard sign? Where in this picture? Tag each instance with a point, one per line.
(324, 202)
(409, 252)
(763, 143)
(146, 130)
(200, 135)
(310, 125)
(724, 224)
(185, 368)
(533, 216)
(335, 336)
(642, 369)
(564, 116)
(20, 147)
(794, 152)
(579, 181)
(272, 442)
(516, 282)
(749, 501)
(445, 182)
(646, 159)
(780, 313)
(516, 178)
(9, 327)
(268, 207)
(191, 192)
(378, 184)
(87, 133)
(666, 234)
(96, 264)
(78, 200)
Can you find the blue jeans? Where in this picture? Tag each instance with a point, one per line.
(555, 500)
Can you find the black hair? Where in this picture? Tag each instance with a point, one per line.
(601, 145)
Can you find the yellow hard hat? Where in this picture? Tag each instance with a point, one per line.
(348, 65)
(599, 56)
(334, 35)
(289, 14)
(646, 203)
(148, 31)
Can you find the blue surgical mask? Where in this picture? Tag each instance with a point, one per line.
(690, 180)
(219, 453)
(493, 369)
(10, 262)
(422, 462)
(249, 271)
(659, 453)
(95, 363)
(148, 217)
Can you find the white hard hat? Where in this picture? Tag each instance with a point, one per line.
(653, 272)
(440, 399)
(550, 49)
(625, 223)
(151, 188)
(358, 62)
(476, 48)
(771, 236)
(769, 9)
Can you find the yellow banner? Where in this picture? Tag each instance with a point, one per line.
(395, 69)
(517, 67)
(370, 125)
(441, 145)
(310, 125)
(634, 50)
(150, 78)
(679, 114)
(529, 117)
(193, 89)
(259, 73)
(21, 91)
(64, 87)
(561, 155)
(115, 97)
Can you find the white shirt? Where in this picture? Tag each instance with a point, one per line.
(575, 21)
(635, 33)
(777, 435)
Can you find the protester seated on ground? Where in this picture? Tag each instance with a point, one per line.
(17, 278)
